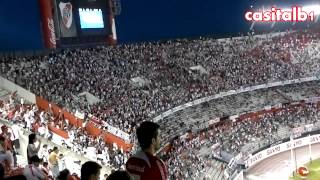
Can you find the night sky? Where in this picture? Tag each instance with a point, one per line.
(145, 20)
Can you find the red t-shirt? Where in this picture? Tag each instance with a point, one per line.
(144, 166)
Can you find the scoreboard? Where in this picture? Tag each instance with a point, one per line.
(68, 23)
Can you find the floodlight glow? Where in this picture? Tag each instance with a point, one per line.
(314, 8)
(310, 8)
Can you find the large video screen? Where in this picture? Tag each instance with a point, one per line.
(91, 18)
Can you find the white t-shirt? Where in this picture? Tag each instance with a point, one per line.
(26, 116)
(33, 173)
(43, 153)
(42, 130)
(14, 132)
(42, 118)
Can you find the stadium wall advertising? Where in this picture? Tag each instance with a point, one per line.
(47, 24)
(251, 161)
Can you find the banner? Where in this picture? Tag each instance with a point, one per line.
(66, 19)
(47, 24)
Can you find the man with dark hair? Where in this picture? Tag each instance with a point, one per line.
(90, 171)
(117, 175)
(144, 165)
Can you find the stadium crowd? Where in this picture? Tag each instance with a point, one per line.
(48, 163)
(171, 73)
(166, 72)
(34, 120)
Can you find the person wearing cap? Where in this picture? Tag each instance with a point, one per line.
(32, 171)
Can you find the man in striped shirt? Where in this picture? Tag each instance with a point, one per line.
(144, 165)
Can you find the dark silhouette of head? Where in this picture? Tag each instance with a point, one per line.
(90, 171)
(148, 135)
(123, 175)
(32, 138)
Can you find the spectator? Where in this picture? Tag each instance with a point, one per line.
(64, 175)
(15, 136)
(90, 171)
(9, 145)
(32, 171)
(45, 169)
(144, 164)
(32, 150)
(4, 156)
(62, 162)
(43, 153)
(54, 162)
(117, 175)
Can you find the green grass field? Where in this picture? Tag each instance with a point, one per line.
(314, 171)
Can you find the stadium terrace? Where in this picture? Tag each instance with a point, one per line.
(295, 14)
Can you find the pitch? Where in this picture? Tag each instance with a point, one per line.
(314, 171)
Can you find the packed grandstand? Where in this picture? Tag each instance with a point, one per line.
(181, 85)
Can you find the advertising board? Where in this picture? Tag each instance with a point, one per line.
(258, 157)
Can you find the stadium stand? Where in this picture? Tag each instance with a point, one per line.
(125, 85)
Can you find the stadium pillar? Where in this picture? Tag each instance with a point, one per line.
(47, 24)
